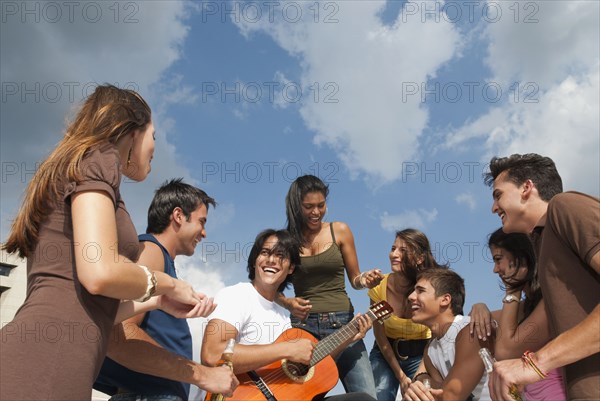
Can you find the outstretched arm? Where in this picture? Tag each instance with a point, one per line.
(345, 238)
(99, 268)
(132, 347)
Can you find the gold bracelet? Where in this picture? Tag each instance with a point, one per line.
(526, 357)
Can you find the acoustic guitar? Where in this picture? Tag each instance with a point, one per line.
(290, 381)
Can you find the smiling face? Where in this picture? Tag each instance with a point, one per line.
(509, 204)
(403, 257)
(399, 254)
(272, 267)
(422, 302)
(506, 266)
(191, 231)
(313, 209)
(504, 263)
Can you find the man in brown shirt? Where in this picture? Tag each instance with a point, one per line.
(527, 192)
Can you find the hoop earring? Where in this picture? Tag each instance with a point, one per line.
(129, 156)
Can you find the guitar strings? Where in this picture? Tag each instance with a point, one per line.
(323, 348)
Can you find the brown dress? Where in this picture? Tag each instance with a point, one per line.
(55, 345)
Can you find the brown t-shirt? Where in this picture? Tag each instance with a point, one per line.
(54, 347)
(565, 243)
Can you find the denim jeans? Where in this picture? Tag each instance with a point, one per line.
(386, 383)
(140, 397)
(352, 363)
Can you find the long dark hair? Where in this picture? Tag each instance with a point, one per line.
(418, 245)
(293, 203)
(521, 248)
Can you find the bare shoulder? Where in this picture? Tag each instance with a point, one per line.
(341, 229)
(466, 342)
(151, 255)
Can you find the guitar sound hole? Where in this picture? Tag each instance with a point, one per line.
(297, 369)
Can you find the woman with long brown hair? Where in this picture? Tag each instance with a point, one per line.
(80, 245)
(399, 343)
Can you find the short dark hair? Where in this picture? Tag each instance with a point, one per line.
(172, 194)
(520, 168)
(286, 244)
(293, 202)
(446, 281)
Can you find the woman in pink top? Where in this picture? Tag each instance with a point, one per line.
(522, 322)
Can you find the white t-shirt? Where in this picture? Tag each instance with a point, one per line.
(257, 320)
(441, 352)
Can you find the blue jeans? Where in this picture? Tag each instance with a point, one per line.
(352, 363)
(386, 383)
(140, 397)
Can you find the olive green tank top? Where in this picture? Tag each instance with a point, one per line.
(321, 279)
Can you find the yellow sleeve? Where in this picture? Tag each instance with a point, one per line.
(376, 293)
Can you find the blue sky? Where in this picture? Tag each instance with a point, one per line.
(398, 106)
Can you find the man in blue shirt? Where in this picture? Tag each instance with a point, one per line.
(150, 355)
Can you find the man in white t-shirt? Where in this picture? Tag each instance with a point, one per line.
(452, 363)
(247, 313)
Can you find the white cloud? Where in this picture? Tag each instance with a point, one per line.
(468, 199)
(279, 100)
(419, 218)
(355, 71)
(543, 42)
(557, 62)
(563, 125)
(46, 67)
(205, 279)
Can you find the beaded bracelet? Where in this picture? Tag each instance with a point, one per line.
(527, 358)
(420, 374)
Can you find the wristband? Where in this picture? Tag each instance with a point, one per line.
(150, 286)
(360, 285)
(420, 374)
(527, 358)
(510, 298)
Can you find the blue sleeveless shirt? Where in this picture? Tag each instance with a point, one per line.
(172, 333)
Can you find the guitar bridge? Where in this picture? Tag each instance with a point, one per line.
(297, 372)
(262, 386)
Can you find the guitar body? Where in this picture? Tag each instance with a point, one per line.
(285, 382)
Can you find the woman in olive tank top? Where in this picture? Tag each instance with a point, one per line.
(321, 304)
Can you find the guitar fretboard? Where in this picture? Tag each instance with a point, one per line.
(327, 345)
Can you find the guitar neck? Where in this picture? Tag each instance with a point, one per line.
(332, 341)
